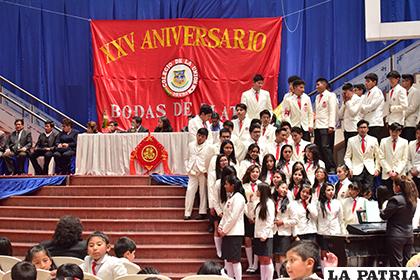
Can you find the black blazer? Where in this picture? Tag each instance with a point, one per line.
(399, 215)
(25, 141)
(46, 142)
(70, 139)
(78, 250)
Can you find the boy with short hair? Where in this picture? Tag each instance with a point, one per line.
(267, 130)
(242, 123)
(23, 271)
(196, 169)
(298, 144)
(349, 112)
(396, 100)
(256, 99)
(409, 130)
(125, 250)
(200, 121)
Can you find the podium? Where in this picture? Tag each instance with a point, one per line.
(362, 250)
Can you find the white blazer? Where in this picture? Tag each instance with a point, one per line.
(194, 125)
(304, 225)
(195, 163)
(325, 110)
(287, 170)
(344, 189)
(396, 105)
(413, 107)
(232, 222)
(393, 160)
(310, 170)
(107, 268)
(264, 229)
(289, 221)
(300, 117)
(372, 108)
(349, 113)
(356, 160)
(243, 166)
(333, 222)
(254, 107)
(269, 134)
(252, 199)
(271, 148)
(350, 215)
(302, 145)
(413, 157)
(241, 133)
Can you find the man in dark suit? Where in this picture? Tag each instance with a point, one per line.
(18, 144)
(44, 148)
(136, 126)
(65, 147)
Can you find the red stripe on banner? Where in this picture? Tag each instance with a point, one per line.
(155, 68)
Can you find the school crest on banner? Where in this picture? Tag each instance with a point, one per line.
(149, 153)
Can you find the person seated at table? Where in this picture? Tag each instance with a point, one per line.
(65, 147)
(164, 125)
(2, 142)
(18, 144)
(136, 126)
(44, 148)
(91, 127)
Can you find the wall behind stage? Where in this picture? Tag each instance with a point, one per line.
(50, 54)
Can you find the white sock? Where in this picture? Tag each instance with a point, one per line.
(269, 271)
(278, 267)
(229, 269)
(218, 244)
(237, 270)
(255, 264)
(248, 251)
(262, 272)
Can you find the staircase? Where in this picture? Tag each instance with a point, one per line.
(152, 215)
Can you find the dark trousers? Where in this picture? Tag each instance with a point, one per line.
(63, 160)
(409, 133)
(399, 250)
(20, 163)
(365, 179)
(378, 131)
(306, 136)
(347, 135)
(325, 142)
(47, 158)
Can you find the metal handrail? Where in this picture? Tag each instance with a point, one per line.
(40, 101)
(25, 109)
(373, 56)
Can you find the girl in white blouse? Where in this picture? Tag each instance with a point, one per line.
(321, 177)
(252, 158)
(285, 163)
(342, 186)
(312, 161)
(267, 168)
(306, 214)
(297, 180)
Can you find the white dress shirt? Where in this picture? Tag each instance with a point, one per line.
(396, 105)
(393, 160)
(254, 107)
(274, 148)
(349, 113)
(298, 116)
(413, 108)
(268, 133)
(107, 268)
(372, 108)
(302, 145)
(310, 170)
(232, 222)
(325, 110)
(333, 222)
(304, 225)
(413, 157)
(289, 221)
(356, 160)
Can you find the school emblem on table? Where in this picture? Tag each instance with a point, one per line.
(149, 153)
(179, 77)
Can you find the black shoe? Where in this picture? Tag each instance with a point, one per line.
(201, 217)
(210, 229)
(186, 218)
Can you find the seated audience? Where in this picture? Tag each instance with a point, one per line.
(24, 271)
(69, 271)
(164, 125)
(67, 239)
(113, 127)
(5, 248)
(18, 144)
(136, 126)
(44, 147)
(40, 257)
(210, 268)
(125, 249)
(65, 147)
(91, 127)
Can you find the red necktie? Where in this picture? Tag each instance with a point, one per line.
(329, 205)
(363, 144)
(299, 102)
(297, 149)
(394, 144)
(93, 268)
(304, 204)
(264, 129)
(204, 125)
(309, 165)
(354, 205)
(287, 167)
(320, 97)
(256, 95)
(278, 151)
(295, 191)
(368, 93)
(318, 189)
(240, 125)
(253, 187)
(418, 146)
(391, 93)
(271, 175)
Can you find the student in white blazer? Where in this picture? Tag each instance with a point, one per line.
(396, 100)
(213, 150)
(394, 155)
(372, 108)
(278, 111)
(196, 170)
(353, 204)
(306, 215)
(200, 121)
(298, 144)
(413, 164)
(342, 185)
(363, 156)
(312, 161)
(349, 112)
(98, 262)
(257, 99)
(268, 130)
(254, 138)
(274, 147)
(231, 227)
(297, 109)
(242, 123)
(325, 122)
(330, 213)
(411, 118)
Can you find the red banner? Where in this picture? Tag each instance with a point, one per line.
(155, 68)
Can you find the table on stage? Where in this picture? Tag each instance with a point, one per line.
(109, 154)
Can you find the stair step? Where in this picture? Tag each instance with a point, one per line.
(176, 213)
(105, 190)
(110, 180)
(176, 238)
(107, 225)
(95, 201)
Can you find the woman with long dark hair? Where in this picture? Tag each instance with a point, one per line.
(399, 213)
(285, 162)
(164, 125)
(312, 160)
